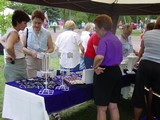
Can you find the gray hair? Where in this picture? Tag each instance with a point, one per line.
(89, 26)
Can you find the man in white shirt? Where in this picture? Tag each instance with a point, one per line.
(54, 26)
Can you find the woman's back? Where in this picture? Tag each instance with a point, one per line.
(68, 41)
(152, 45)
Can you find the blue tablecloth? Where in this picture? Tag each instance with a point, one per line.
(61, 100)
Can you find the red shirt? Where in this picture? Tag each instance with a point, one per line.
(93, 41)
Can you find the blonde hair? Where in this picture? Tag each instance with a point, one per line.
(127, 29)
(69, 24)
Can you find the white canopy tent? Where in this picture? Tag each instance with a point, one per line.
(128, 1)
(7, 11)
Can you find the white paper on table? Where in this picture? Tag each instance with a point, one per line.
(87, 76)
(131, 61)
(122, 67)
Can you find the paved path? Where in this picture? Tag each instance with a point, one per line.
(136, 41)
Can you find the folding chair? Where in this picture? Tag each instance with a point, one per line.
(149, 104)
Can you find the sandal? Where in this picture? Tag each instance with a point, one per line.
(56, 116)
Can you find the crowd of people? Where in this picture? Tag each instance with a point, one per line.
(97, 48)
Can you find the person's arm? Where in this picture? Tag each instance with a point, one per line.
(57, 44)
(25, 50)
(135, 52)
(97, 62)
(95, 41)
(50, 45)
(56, 49)
(81, 48)
(95, 47)
(10, 42)
(141, 51)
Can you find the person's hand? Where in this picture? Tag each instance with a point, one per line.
(135, 52)
(9, 59)
(99, 70)
(136, 65)
(81, 55)
(34, 54)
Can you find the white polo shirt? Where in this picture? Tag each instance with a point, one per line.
(68, 42)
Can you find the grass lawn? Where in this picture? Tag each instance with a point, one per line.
(2, 82)
(87, 111)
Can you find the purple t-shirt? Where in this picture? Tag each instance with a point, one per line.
(111, 48)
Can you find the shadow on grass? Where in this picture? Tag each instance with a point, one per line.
(126, 110)
(84, 111)
(87, 111)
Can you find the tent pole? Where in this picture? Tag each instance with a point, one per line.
(115, 18)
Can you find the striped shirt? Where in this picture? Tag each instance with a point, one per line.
(152, 46)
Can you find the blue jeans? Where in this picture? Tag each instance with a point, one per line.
(82, 64)
(88, 62)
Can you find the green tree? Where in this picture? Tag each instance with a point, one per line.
(56, 13)
(28, 8)
(77, 16)
(125, 19)
(53, 13)
(91, 16)
(5, 21)
(65, 14)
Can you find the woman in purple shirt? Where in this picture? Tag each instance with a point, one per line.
(107, 72)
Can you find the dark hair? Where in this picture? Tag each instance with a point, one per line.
(157, 24)
(150, 26)
(38, 14)
(104, 21)
(19, 16)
